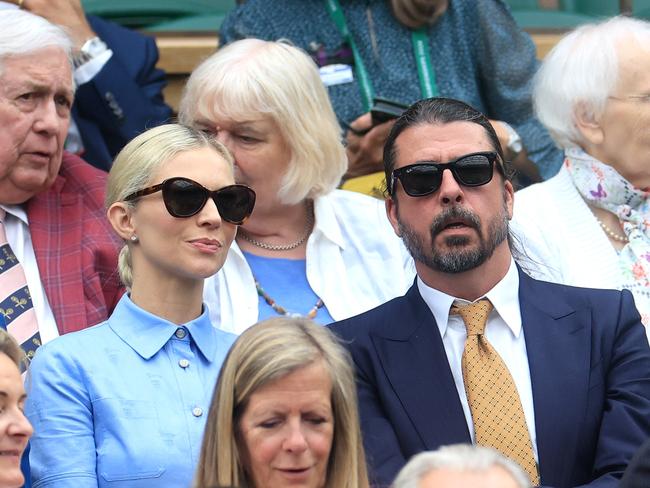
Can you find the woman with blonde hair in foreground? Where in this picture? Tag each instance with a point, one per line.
(284, 412)
(122, 404)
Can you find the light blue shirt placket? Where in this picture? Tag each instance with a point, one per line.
(194, 392)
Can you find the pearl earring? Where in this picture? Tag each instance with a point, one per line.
(134, 238)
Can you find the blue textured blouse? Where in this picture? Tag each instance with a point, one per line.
(479, 55)
(123, 403)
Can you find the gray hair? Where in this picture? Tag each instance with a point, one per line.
(581, 72)
(23, 33)
(252, 78)
(460, 457)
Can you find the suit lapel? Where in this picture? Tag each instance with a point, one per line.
(558, 347)
(54, 218)
(413, 357)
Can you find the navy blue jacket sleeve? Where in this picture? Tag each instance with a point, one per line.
(124, 99)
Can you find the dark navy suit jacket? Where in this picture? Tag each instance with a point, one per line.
(637, 474)
(124, 99)
(590, 371)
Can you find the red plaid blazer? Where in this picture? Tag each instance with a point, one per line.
(76, 248)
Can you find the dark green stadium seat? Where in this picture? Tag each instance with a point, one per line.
(641, 9)
(144, 13)
(570, 13)
(550, 19)
(192, 23)
(595, 8)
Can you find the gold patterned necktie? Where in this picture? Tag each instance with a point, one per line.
(497, 413)
(15, 300)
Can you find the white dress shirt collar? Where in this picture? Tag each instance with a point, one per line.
(17, 211)
(504, 297)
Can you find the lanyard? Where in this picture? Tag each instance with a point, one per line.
(420, 41)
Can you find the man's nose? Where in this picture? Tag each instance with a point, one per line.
(451, 192)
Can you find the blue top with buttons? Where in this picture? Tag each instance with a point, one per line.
(123, 403)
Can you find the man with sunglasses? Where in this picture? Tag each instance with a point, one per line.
(554, 377)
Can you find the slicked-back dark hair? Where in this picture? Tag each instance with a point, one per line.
(434, 111)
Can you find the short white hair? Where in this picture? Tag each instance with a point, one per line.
(23, 33)
(458, 457)
(252, 78)
(580, 73)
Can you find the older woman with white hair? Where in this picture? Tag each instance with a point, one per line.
(590, 224)
(307, 249)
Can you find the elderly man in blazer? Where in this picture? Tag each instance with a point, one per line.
(58, 251)
(555, 377)
(119, 89)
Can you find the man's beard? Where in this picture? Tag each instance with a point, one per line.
(457, 256)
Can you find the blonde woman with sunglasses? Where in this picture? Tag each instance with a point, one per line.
(124, 403)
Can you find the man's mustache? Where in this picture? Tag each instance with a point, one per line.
(453, 215)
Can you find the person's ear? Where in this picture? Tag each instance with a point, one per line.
(588, 124)
(509, 198)
(120, 216)
(392, 213)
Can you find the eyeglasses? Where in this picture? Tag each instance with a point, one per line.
(184, 198)
(424, 178)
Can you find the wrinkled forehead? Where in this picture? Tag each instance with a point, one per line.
(440, 142)
(48, 69)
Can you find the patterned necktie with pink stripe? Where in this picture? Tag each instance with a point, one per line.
(15, 301)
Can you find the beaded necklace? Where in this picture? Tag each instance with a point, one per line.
(611, 233)
(281, 310)
(283, 247)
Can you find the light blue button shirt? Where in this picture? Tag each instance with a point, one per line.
(123, 403)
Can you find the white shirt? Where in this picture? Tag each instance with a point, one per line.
(354, 262)
(503, 330)
(20, 240)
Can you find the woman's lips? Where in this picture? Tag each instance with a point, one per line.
(206, 245)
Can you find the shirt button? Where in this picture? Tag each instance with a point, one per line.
(180, 333)
(197, 411)
(183, 363)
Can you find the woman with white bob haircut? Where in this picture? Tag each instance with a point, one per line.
(461, 465)
(122, 403)
(308, 249)
(590, 224)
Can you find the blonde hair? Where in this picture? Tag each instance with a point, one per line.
(10, 348)
(137, 163)
(265, 352)
(418, 13)
(251, 77)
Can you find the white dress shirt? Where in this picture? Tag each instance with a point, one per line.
(354, 262)
(503, 330)
(20, 240)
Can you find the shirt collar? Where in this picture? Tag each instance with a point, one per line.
(504, 297)
(147, 333)
(17, 211)
(326, 222)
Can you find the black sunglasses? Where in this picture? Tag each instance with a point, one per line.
(424, 178)
(184, 198)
